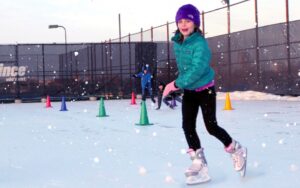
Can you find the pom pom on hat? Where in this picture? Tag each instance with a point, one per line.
(190, 12)
(146, 67)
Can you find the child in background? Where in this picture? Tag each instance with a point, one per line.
(161, 87)
(171, 97)
(196, 78)
(146, 78)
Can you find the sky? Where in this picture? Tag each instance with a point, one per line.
(48, 148)
(26, 21)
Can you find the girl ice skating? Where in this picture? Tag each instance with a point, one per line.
(196, 78)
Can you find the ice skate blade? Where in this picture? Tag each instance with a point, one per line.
(192, 180)
(243, 170)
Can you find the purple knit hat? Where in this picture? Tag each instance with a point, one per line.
(188, 12)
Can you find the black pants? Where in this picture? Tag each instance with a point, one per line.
(150, 93)
(171, 98)
(206, 99)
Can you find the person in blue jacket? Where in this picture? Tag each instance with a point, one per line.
(146, 78)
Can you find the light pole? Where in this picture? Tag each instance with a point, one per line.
(66, 51)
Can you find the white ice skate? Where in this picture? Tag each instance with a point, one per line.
(198, 171)
(201, 177)
(239, 157)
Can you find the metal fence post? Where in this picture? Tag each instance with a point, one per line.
(151, 34)
(290, 76)
(203, 23)
(17, 88)
(168, 52)
(106, 67)
(110, 59)
(141, 34)
(229, 47)
(258, 72)
(44, 77)
(120, 51)
(103, 60)
(129, 59)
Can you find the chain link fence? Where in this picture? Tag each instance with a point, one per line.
(265, 58)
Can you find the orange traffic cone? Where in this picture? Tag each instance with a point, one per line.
(227, 103)
(48, 102)
(133, 99)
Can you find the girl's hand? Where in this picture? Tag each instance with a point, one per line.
(170, 88)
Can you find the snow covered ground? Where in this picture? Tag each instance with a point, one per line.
(46, 148)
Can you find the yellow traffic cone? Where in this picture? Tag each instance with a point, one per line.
(227, 103)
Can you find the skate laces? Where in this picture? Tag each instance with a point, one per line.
(196, 166)
(198, 159)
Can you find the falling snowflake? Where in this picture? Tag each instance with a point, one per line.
(294, 168)
(264, 145)
(142, 170)
(281, 141)
(96, 160)
(183, 151)
(265, 51)
(255, 164)
(169, 179)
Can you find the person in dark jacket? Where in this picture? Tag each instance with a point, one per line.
(146, 78)
(172, 96)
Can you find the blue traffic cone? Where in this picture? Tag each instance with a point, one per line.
(63, 104)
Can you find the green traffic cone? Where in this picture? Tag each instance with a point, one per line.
(102, 112)
(144, 116)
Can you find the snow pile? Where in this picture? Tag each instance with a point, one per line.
(255, 95)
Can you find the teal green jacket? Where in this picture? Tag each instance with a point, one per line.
(193, 62)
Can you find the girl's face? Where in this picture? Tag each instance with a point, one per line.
(186, 27)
